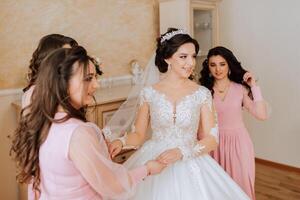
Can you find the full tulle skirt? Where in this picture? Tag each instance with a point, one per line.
(192, 179)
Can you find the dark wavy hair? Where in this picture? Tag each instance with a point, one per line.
(168, 47)
(46, 44)
(51, 91)
(236, 70)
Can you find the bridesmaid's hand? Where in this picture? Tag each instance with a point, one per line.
(169, 156)
(249, 79)
(114, 148)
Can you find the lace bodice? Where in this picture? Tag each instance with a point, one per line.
(175, 121)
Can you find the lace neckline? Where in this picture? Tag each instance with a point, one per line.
(177, 102)
(174, 104)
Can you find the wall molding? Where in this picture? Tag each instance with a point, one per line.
(10, 92)
(277, 165)
(115, 81)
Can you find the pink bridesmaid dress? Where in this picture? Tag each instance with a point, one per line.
(235, 152)
(75, 165)
(90, 174)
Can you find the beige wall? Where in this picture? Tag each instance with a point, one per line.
(8, 117)
(115, 30)
(264, 34)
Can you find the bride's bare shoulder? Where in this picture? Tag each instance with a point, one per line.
(193, 85)
(159, 85)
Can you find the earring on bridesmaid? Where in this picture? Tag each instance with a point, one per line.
(169, 67)
(229, 72)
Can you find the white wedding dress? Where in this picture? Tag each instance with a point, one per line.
(190, 179)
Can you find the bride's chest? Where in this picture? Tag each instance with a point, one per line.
(182, 113)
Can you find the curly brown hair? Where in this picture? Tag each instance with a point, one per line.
(237, 71)
(50, 92)
(46, 44)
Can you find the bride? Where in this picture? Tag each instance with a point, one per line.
(177, 110)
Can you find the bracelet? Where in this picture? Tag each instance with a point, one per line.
(123, 140)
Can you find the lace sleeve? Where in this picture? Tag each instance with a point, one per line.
(143, 97)
(211, 133)
(208, 101)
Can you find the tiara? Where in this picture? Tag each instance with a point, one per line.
(168, 36)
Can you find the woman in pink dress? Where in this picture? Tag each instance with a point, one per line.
(55, 148)
(233, 89)
(46, 45)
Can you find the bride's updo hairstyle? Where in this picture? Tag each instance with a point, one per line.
(168, 43)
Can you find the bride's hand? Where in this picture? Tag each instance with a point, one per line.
(114, 148)
(154, 167)
(169, 156)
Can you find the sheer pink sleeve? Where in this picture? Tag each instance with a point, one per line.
(89, 153)
(30, 192)
(257, 107)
